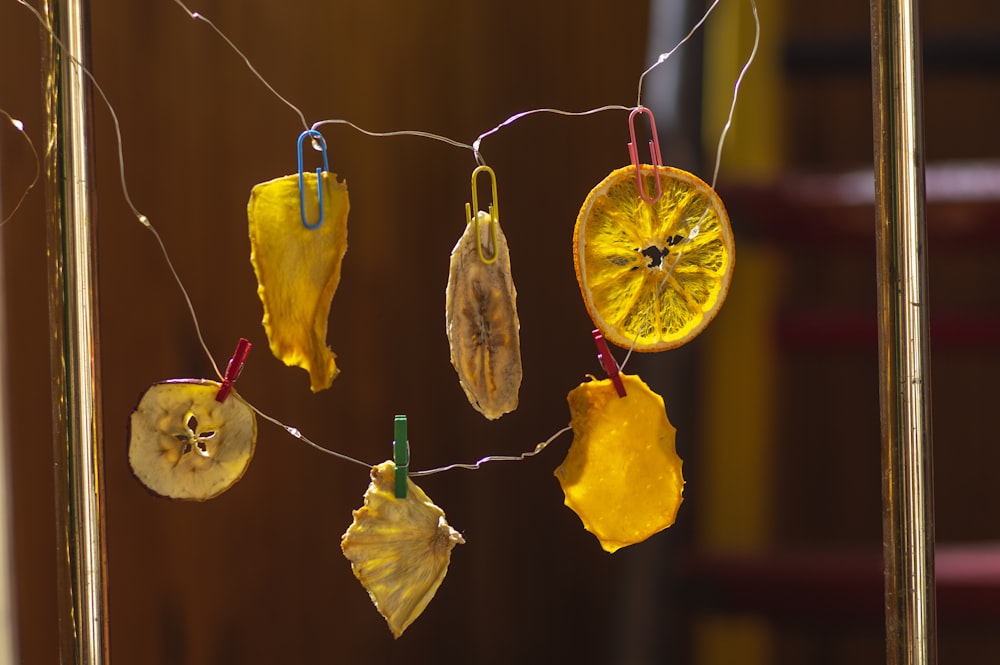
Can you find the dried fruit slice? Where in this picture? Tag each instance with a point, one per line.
(399, 549)
(298, 269)
(183, 444)
(653, 275)
(622, 475)
(481, 320)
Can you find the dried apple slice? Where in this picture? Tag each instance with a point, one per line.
(183, 444)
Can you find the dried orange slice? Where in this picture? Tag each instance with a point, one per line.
(622, 475)
(653, 275)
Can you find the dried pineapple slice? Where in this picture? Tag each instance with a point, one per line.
(481, 321)
(622, 475)
(183, 444)
(399, 549)
(298, 269)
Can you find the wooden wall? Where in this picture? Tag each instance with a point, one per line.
(257, 576)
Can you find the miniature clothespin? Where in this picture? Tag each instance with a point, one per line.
(472, 213)
(234, 369)
(654, 153)
(401, 456)
(316, 138)
(608, 362)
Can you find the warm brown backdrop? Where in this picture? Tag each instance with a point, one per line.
(256, 576)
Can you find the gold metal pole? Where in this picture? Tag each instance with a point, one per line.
(904, 347)
(73, 315)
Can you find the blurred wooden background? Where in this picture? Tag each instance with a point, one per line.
(257, 576)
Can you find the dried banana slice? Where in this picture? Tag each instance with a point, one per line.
(622, 475)
(481, 320)
(399, 549)
(183, 444)
(298, 269)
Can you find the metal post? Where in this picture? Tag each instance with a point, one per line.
(75, 354)
(904, 360)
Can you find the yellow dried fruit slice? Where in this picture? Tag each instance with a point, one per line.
(653, 275)
(481, 320)
(183, 444)
(399, 549)
(298, 268)
(622, 475)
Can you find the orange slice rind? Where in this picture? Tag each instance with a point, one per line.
(653, 275)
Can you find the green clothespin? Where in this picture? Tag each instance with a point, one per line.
(401, 456)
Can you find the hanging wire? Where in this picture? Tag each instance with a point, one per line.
(19, 126)
(125, 191)
(200, 17)
(664, 56)
(474, 147)
(496, 458)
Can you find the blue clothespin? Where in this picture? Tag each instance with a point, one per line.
(401, 456)
(315, 136)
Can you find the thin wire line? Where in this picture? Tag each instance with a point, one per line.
(496, 458)
(663, 56)
(523, 114)
(736, 91)
(19, 126)
(301, 437)
(695, 230)
(121, 173)
(403, 132)
(246, 60)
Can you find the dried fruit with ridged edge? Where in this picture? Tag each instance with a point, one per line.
(481, 319)
(298, 268)
(653, 275)
(183, 444)
(399, 549)
(622, 475)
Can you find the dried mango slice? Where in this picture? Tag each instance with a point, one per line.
(298, 269)
(183, 444)
(622, 475)
(399, 549)
(481, 320)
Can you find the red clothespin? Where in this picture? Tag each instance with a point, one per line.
(654, 153)
(608, 362)
(233, 369)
